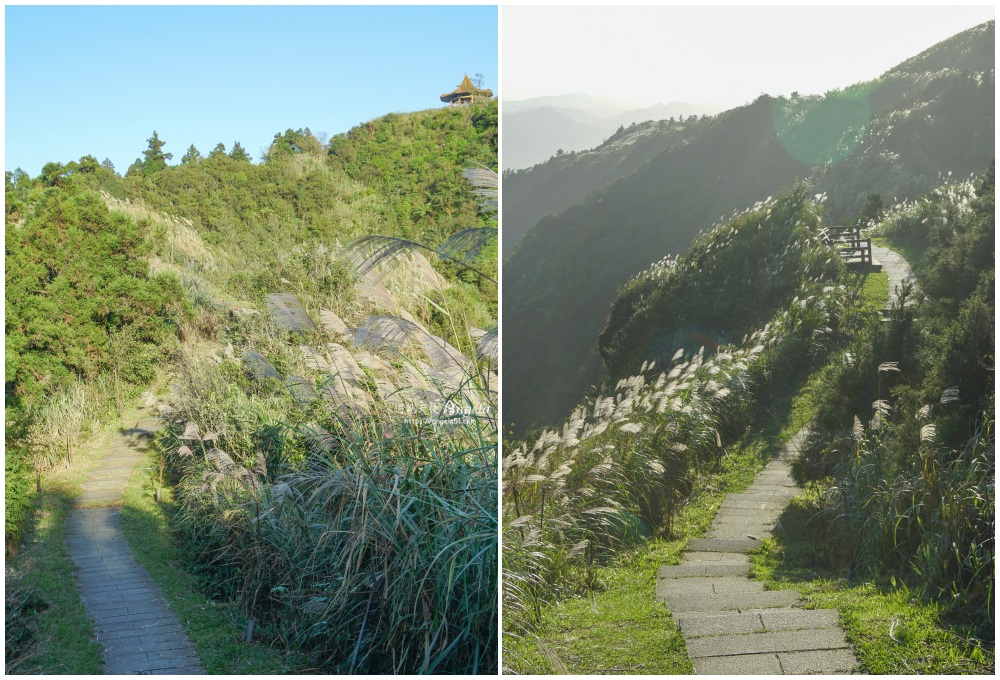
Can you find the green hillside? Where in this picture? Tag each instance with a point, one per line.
(351, 392)
(896, 526)
(566, 179)
(895, 136)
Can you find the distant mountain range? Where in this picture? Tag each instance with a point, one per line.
(577, 227)
(537, 129)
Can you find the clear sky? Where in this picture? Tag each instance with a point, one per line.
(726, 55)
(98, 80)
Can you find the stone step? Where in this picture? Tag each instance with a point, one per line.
(697, 624)
(703, 569)
(782, 498)
(698, 557)
(739, 516)
(126, 459)
(102, 484)
(753, 533)
(826, 662)
(114, 469)
(767, 599)
(97, 498)
(762, 643)
(722, 544)
(756, 506)
(707, 586)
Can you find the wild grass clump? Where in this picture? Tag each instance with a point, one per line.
(932, 513)
(340, 486)
(731, 281)
(378, 555)
(20, 634)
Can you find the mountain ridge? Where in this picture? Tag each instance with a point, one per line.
(896, 135)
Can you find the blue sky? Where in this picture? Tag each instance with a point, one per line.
(98, 80)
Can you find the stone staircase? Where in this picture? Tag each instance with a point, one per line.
(138, 631)
(107, 480)
(730, 624)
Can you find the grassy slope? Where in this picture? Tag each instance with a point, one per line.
(620, 628)
(892, 630)
(62, 631)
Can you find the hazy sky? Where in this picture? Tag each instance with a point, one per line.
(98, 80)
(728, 55)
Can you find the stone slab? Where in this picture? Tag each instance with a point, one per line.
(761, 497)
(822, 661)
(103, 484)
(751, 664)
(111, 472)
(706, 585)
(722, 544)
(697, 624)
(754, 533)
(751, 505)
(696, 556)
(736, 515)
(792, 619)
(761, 643)
(733, 602)
(703, 569)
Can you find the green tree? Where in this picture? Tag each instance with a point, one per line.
(239, 153)
(872, 210)
(192, 156)
(219, 150)
(154, 159)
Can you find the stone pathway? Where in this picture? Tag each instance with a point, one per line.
(898, 270)
(139, 632)
(731, 625)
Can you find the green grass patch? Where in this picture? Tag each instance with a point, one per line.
(215, 628)
(875, 290)
(893, 631)
(620, 629)
(62, 638)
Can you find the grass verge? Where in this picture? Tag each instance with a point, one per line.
(892, 630)
(215, 628)
(62, 638)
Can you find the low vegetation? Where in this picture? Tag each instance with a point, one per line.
(906, 418)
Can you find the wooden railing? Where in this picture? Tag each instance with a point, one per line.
(850, 245)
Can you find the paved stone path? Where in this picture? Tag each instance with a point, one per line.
(898, 270)
(731, 625)
(139, 632)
